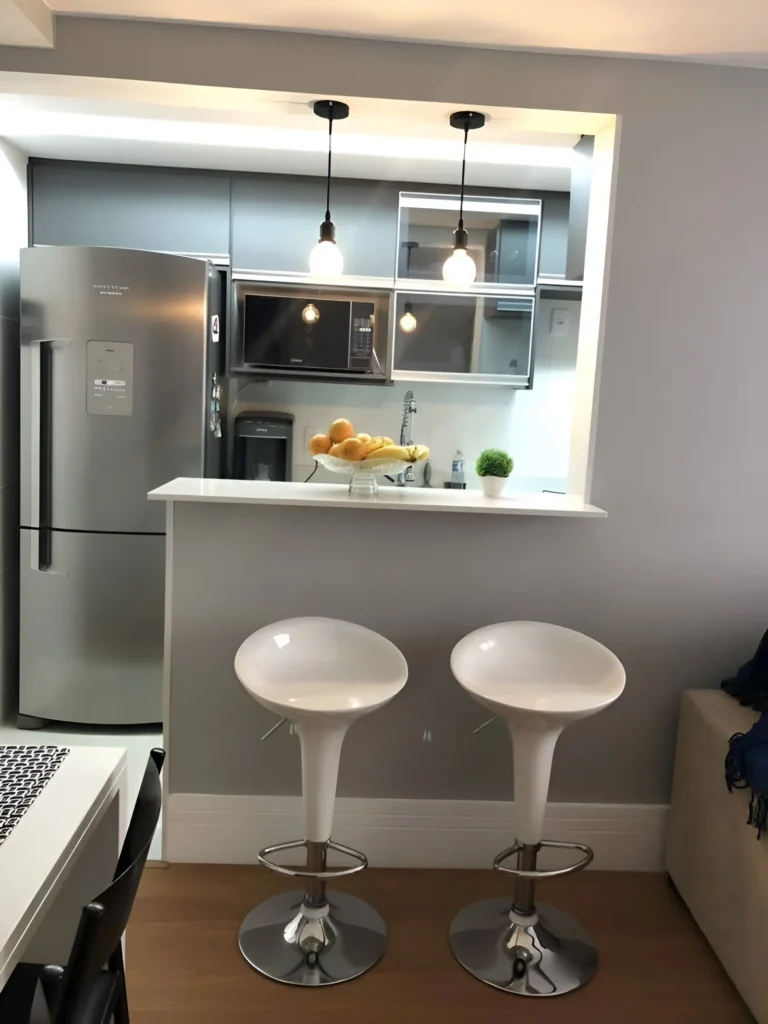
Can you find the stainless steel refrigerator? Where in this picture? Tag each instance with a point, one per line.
(120, 358)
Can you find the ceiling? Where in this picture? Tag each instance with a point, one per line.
(712, 31)
(64, 117)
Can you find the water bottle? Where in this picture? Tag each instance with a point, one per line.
(457, 469)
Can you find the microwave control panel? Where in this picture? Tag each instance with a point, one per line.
(361, 336)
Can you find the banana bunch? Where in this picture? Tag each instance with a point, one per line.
(342, 442)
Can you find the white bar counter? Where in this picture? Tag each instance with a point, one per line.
(409, 499)
(242, 554)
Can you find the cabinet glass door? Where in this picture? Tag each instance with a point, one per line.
(503, 237)
(463, 337)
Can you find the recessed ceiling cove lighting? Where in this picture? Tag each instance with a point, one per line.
(25, 121)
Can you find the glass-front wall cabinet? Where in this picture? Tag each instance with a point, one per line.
(462, 337)
(504, 236)
(483, 334)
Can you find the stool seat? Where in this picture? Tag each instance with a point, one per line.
(309, 667)
(547, 670)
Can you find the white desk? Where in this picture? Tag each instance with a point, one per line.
(61, 854)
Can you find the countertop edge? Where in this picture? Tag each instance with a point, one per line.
(176, 491)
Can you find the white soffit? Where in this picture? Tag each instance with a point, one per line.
(26, 23)
(234, 129)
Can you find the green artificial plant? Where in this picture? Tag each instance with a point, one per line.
(494, 462)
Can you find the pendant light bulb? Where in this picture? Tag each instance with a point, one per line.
(408, 322)
(310, 314)
(459, 269)
(326, 259)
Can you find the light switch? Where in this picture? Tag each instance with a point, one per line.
(558, 327)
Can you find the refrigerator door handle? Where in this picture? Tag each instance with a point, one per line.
(41, 449)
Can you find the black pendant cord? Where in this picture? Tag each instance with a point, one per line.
(330, 111)
(328, 184)
(463, 176)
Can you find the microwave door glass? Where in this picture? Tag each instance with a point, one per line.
(276, 333)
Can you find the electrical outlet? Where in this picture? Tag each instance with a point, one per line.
(559, 323)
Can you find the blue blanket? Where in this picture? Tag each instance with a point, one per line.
(746, 763)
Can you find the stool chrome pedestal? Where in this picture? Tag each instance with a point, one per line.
(313, 937)
(528, 947)
(323, 674)
(539, 678)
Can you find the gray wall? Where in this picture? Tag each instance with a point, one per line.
(13, 235)
(676, 579)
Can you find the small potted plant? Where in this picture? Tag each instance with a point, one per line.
(493, 467)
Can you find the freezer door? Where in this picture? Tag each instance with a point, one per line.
(91, 640)
(113, 384)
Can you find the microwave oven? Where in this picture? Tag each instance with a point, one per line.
(312, 332)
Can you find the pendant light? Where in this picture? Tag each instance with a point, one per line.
(459, 269)
(408, 322)
(326, 259)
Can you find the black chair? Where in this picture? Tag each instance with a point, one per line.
(91, 988)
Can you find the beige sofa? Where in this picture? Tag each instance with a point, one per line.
(713, 856)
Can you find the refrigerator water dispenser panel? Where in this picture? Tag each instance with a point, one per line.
(109, 370)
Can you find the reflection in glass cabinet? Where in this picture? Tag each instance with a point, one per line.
(504, 235)
(463, 337)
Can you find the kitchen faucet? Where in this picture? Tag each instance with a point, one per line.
(409, 408)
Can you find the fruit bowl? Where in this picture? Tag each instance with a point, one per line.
(363, 474)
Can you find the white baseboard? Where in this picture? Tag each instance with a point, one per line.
(207, 829)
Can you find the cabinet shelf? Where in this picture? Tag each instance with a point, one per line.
(263, 373)
(519, 383)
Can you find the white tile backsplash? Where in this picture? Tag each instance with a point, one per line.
(534, 426)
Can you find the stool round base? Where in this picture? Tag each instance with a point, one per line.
(283, 943)
(553, 956)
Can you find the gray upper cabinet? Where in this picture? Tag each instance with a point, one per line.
(554, 233)
(275, 218)
(276, 221)
(132, 208)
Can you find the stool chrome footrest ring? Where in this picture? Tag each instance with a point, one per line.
(301, 844)
(498, 861)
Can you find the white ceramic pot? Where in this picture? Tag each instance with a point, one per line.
(493, 486)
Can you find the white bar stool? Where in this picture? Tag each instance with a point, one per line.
(539, 678)
(321, 674)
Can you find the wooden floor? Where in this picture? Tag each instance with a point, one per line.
(184, 966)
